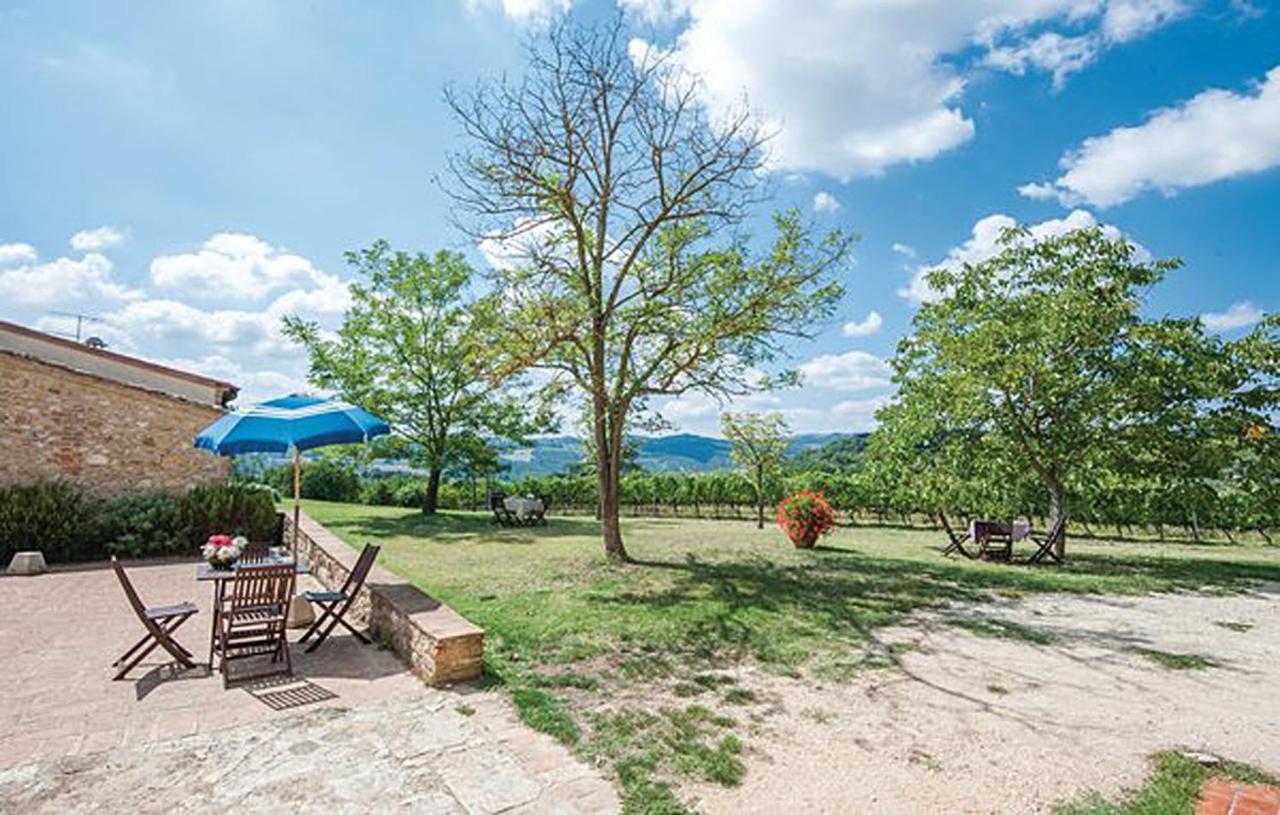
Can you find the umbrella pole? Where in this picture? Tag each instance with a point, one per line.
(297, 495)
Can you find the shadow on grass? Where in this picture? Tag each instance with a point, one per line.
(458, 528)
(737, 607)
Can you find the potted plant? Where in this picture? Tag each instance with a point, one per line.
(805, 516)
(222, 551)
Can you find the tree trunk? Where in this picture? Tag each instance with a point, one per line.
(609, 510)
(1058, 510)
(432, 499)
(759, 497)
(609, 471)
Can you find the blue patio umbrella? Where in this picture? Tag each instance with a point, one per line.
(291, 423)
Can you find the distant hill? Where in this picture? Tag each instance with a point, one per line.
(681, 452)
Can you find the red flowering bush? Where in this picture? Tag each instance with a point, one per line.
(805, 516)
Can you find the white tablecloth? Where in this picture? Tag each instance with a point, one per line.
(522, 506)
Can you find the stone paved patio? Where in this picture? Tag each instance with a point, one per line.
(357, 732)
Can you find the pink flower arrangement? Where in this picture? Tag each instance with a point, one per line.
(805, 516)
(223, 550)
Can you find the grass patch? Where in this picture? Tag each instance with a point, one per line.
(1005, 630)
(645, 748)
(738, 696)
(1172, 788)
(465, 710)
(544, 712)
(1174, 661)
(1231, 625)
(704, 597)
(564, 680)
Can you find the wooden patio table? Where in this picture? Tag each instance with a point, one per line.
(221, 577)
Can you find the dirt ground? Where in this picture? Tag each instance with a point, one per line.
(1013, 718)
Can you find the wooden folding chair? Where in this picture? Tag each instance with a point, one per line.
(256, 552)
(501, 515)
(1046, 547)
(254, 617)
(539, 516)
(336, 603)
(160, 622)
(958, 541)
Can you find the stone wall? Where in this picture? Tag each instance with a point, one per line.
(104, 436)
(440, 645)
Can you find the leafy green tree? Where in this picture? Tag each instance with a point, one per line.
(610, 201)
(473, 459)
(414, 350)
(1039, 362)
(759, 449)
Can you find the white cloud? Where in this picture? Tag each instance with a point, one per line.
(1127, 20)
(984, 244)
(850, 371)
(524, 11)
(64, 281)
(1238, 315)
(238, 266)
(825, 202)
(256, 384)
(1061, 56)
(865, 327)
(1218, 134)
(904, 250)
(95, 240)
(17, 253)
(853, 87)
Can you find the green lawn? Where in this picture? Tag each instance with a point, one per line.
(626, 662)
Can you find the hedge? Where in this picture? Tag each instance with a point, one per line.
(68, 525)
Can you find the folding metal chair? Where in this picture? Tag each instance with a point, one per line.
(253, 620)
(160, 622)
(336, 603)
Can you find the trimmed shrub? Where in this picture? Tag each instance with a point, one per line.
(68, 525)
(52, 516)
(230, 509)
(147, 525)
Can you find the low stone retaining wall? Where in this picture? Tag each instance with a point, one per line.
(440, 645)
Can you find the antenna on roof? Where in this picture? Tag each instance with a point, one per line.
(80, 319)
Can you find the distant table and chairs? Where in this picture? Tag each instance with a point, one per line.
(995, 539)
(518, 510)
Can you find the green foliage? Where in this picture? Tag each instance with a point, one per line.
(615, 202)
(759, 448)
(415, 349)
(845, 454)
(146, 525)
(231, 509)
(67, 525)
(52, 516)
(1035, 383)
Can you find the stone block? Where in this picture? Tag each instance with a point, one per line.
(27, 563)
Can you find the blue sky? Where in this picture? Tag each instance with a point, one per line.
(189, 172)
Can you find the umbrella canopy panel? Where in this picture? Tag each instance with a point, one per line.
(295, 422)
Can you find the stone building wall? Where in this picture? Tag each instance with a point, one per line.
(106, 437)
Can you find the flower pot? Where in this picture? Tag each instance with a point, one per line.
(804, 540)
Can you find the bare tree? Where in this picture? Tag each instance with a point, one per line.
(608, 199)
